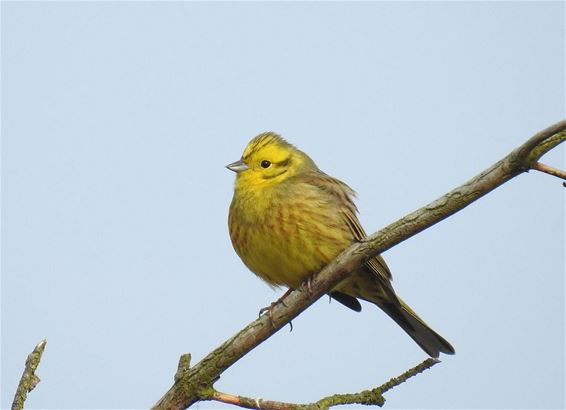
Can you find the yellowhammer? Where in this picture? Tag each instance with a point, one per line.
(288, 219)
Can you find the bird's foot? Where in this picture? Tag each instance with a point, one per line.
(308, 284)
(269, 309)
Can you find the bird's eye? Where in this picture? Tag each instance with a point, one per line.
(265, 164)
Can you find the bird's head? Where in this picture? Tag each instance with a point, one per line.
(268, 159)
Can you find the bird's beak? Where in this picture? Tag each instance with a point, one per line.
(237, 166)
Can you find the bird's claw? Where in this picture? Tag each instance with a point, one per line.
(308, 285)
(269, 309)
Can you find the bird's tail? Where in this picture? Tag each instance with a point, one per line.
(430, 341)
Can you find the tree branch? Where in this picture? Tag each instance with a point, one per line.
(366, 397)
(549, 170)
(29, 379)
(198, 380)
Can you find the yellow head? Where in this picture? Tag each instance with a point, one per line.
(269, 159)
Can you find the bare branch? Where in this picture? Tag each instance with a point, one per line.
(549, 170)
(249, 403)
(198, 380)
(366, 397)
(29, 379)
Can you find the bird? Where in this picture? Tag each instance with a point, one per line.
(288, 220)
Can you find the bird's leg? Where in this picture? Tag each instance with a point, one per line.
(269, 309)
(308, 284)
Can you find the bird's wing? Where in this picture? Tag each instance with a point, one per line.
(344, 195)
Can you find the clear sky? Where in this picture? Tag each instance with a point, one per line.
(118, 119)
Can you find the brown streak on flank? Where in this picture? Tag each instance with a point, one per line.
(235, 232)
(323, 256)
(245, 240)
(311, 212)
(236, 239)
(269, 225)
(292, 222)
(329, 242)
(280, 221)
(240, 236)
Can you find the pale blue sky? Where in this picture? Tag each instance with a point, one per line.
(118, 119)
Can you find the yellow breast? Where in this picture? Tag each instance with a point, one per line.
(286, 234)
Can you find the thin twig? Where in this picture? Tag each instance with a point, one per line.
(195, 383)
(375, 396)
(249, 403)
(396, 381)
(547, 169)
(366, 397)
(29, 379)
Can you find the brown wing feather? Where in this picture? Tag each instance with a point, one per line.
(345, 198)
(373, 281)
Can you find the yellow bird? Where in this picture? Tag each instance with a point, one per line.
(288, 220)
